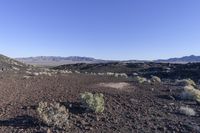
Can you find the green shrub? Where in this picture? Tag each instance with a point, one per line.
(93, 102)
(53, 114)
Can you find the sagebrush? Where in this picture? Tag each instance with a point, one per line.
(93, 102)
(155, 79)
(185, 82)
(53, 114)
(190, 93)
(140, 79)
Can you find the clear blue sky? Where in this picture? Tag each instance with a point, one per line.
(107, 29)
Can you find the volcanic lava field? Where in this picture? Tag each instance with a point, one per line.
(130, 106)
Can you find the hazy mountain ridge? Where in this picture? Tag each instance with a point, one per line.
(184, 59)
(57, 60)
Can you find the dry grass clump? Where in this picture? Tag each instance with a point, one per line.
(45, 73)
(124, 75)
(15, 68)
(117, 75)
(26, 77)
(28, 72)
(40, 73)
(140, 79)
(187, 111)
(110, 74)
(155, 79)
(53, 114)
(36, 74)
(77, 72)
(65, 72)
(190, 93)
(185, 82)
(93, 102)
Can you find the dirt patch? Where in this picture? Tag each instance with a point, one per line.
(119, 85)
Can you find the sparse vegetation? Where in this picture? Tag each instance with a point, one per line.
(77, 72)
(155, 79)
(187, 111)
(124, 75)
(190, 93)
(140, 79)
(185, 82)
(123, 98)
(36, 74)
(53, 114)
(117, 75)
(26, 77)
(93, 102)
(15, 68)
(65, 72)
(28, 72)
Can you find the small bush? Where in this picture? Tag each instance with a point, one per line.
(15, 68)
(187, 111)
(124, 75)
(26, 77)
(185, 82)
(36, 74)
(28, 72)
(77, 72)
(53, 114)
(155, 79)
(140, 79)
(190, 93)
(110, 74)
(135, 74)
(45, 73)
(92, 102)
(65, 72)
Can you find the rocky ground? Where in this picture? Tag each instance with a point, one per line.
(162, 70)
(129, 108)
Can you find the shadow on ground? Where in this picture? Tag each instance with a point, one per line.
(21, 122)
(74, 107)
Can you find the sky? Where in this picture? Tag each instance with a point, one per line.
(103, 29)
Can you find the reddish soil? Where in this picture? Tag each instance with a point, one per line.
(142, 108)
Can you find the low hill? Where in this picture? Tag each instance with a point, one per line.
(7, 63)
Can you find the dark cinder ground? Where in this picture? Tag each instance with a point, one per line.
(140, 108)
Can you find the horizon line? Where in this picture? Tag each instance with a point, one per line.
(101, 58)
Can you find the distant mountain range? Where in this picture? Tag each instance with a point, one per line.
(56, 60)
(185, 59)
